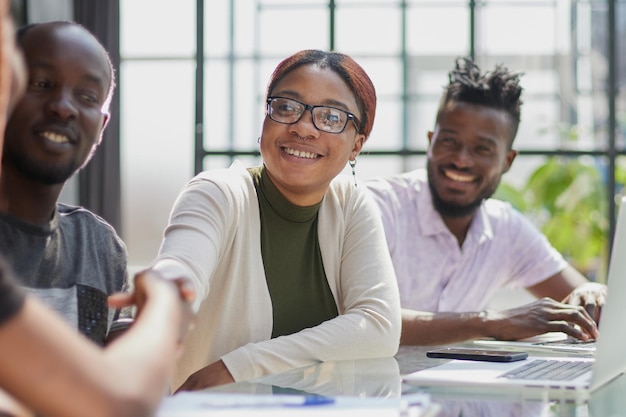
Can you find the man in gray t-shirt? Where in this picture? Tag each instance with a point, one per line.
(68, 256)
(72, 263)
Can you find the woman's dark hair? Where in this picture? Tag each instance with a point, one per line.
(352, 73)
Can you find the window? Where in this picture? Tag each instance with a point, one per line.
(571, 52)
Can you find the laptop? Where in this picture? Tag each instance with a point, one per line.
(609, 361)
(546, 342)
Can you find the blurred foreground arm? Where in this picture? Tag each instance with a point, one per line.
(52, 369)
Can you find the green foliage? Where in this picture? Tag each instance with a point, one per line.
(566, 199)
(510, 193)
(620, 170)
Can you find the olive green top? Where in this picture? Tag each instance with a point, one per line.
(292, 260)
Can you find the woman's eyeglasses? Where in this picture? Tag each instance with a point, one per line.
(325, 118)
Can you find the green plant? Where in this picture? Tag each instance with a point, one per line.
(566, 198)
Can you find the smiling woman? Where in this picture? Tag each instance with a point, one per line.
(304, 180)
(318, 284)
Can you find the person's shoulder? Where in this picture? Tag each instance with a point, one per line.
(236, 169)
(398, 190)
(233, 177)
(79, 217)
(344, 192)
(503, 212)
(79, 213)
(343, 186)
(496, 207)
(344, 199)
(411, 180)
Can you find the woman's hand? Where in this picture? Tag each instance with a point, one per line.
(148, 287)
(210, 376)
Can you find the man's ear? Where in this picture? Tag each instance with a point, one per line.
(105, 121)
(430, 137)
(509, 158)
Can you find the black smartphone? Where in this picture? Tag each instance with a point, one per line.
(478, 354)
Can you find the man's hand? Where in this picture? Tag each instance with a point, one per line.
(210, 376)
(591, 296)
(11, 408)
(544, 315)
(147, 286)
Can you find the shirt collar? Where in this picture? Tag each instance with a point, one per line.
(432, 224)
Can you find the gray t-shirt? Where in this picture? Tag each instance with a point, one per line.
(72, 263)
(11, 297)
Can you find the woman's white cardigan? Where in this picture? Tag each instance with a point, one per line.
(213, 238)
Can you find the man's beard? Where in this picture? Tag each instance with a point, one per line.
(47, 175)
(450, 209)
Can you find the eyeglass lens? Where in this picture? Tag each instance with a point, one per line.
(288, 111)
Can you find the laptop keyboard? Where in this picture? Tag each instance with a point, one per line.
(549, 370)
(591, 344)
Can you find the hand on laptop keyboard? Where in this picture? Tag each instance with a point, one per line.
(541, 316)
(591, 296)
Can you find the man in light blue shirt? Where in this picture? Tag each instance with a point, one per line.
(453, 247)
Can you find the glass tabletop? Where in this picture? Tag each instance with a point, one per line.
(382, 378)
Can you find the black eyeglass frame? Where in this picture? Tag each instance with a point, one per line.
(351, 116)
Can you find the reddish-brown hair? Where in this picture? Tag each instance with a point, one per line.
(352, 73)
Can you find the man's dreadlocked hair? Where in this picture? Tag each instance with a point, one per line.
(498, 89)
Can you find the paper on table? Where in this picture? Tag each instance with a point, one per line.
(196, 404)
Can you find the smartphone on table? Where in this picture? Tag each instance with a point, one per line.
(472, 354)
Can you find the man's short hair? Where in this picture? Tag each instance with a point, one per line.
(22, 31)
(498, 89)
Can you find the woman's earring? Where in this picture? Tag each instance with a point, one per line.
(352, 165)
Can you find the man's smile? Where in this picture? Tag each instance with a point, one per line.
(457, 176)
(55, 137)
